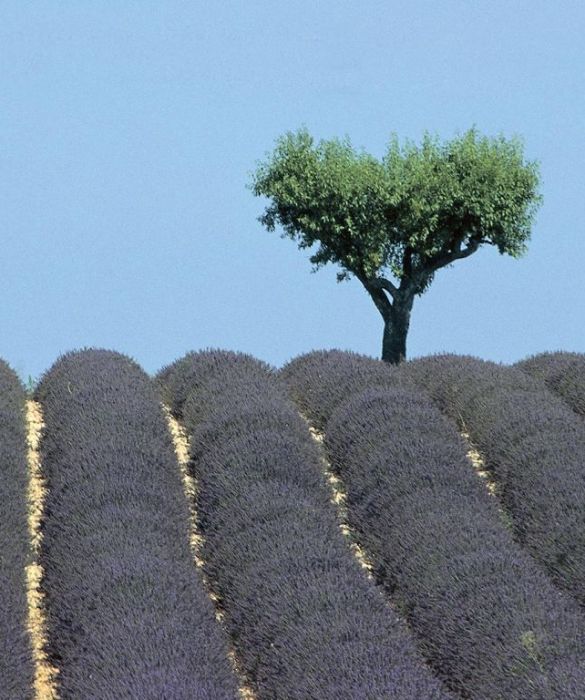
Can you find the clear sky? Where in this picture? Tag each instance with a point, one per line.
(129, 129)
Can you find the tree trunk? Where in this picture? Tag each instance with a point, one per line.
(396, 329)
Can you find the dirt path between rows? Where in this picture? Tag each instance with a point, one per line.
(339, 499)
(45, 681)
(478, 463)
(493, 488)
(181, 443)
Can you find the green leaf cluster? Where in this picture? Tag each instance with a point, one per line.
(427, 202)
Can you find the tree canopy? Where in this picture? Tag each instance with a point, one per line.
(392, 223)
(427, 204)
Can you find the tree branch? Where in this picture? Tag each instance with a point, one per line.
(456, 254)
(377, 289)
(383, 283)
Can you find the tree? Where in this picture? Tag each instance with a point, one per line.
(393, 223)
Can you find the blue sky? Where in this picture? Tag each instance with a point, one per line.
(129, 130)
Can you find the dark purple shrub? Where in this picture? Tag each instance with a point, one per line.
(563, 373)
(191, 374)
(453, 380)
(239, 413)
(305, 620)
(279, 458)
(533, 444)
(320, 381)
(488, 618)
(127, 614)
(16, 662)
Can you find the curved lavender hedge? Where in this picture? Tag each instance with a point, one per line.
(306, 622)
(16, 661)
(127, 614)
(563, 373)
(532, 443)
(488, 618)
(321, 380)
(192, 372)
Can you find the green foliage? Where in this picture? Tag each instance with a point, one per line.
(428, 202)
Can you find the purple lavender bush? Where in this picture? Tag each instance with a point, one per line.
(16, 660)
(319, 381)
(192, 373)
(563, 373)
(127, 613)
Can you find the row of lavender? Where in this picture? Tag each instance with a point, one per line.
(127, 616)
(306, 621)
(563, 373)
(16, 659)
(487, 617)
(534, 446)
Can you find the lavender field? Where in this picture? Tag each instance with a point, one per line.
(335, 529)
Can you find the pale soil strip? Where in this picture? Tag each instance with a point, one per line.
(339, 498)
(181, 443)
(478, 463)
(45, 685)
